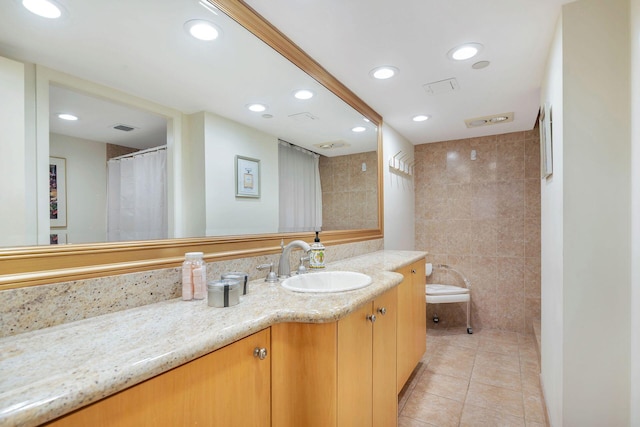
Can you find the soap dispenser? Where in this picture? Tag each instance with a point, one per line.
(316, 255)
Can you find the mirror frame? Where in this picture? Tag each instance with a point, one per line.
(37, 265)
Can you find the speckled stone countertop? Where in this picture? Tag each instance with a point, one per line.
(50, 372)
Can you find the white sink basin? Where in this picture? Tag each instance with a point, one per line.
(327, 281)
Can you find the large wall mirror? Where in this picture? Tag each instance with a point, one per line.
(167, 154)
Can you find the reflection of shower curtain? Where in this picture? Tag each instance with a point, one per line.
(137, 197)
(300, 191)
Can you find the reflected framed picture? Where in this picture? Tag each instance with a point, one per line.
(546, 142)
(247, 177)
(58, 192)
(58, 238)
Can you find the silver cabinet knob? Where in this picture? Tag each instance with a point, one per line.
(260, 353)
(382, 310)
(371, 317)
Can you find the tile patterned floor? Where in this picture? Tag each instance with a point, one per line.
(490, 378)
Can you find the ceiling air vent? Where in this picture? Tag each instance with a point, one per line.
(442, 86)
(331, 145)
(489, 120)
(124, 128)
(303, 117)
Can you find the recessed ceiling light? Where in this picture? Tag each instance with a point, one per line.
(45, 8)
(257, 108)
(359, 129)
(66, 116)
(202, 30)
(384, 72)
(489, 120)
(303, 94)
(420, 118)
(479, 122)
(464, 51)
(498, 119)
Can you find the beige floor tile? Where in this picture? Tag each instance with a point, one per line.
(497, 377)
(443, 385)
(463, 340)
(499, 346)
(497, 335)
(488, 360)
(535, 424)
(410, 422)
(475, 416)
(533, 407)
(452, 361)
(433, 409)
(410, 385)
(500, 399)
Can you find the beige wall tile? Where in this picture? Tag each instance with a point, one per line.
(483, 211)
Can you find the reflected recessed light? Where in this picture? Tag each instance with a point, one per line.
(211, 8)
(257, 108)
(66, 116)
(303, 94)
(420, 118)
(465, 51)
(267, 116)
(202, 30)
(366, 120)
(359, 129)
(45, 8)
(478, 122)
(384, 72)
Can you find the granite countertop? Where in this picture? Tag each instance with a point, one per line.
(50, 372)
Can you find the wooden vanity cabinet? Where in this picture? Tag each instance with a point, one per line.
(228, 387)
(412, 324)
(337, 374)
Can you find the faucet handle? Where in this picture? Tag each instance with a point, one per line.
(271, 276)
(302, 269)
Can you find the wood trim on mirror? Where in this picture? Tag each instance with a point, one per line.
(37, 265)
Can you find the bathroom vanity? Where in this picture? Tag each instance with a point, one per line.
(279, 358)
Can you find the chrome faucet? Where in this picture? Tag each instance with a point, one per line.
(284, 267)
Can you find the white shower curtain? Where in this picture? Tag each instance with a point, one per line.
(137, 197)
(300, 190)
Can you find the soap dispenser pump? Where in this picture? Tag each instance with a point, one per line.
(316, 255)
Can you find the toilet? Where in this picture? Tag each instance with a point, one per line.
(444, 294)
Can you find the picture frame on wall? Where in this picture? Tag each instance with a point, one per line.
(58, 192)
(247, 177)
(546, 142)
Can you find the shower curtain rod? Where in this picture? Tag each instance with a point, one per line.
(137, 153)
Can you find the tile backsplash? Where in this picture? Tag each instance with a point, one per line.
(483, 216)
(36, 307)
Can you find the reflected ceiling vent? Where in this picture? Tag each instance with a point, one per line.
(303, 117)
(331, 145)
(442, 86)
(489, 120)
(124, 128)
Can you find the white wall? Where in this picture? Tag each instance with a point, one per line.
(635, 212)
(86, 163)
(399, 195)
(551, 197)
(588, 202)
(13, 230)
(226, 213)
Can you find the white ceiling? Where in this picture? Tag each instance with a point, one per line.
(351, 37)
(140, 47)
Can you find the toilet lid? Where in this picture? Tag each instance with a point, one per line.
(436, 289)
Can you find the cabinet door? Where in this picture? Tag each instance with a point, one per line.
(412, 327)
(385, 399)
(355, 338)
(304, 374)
(419, 312)
(229, 387)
